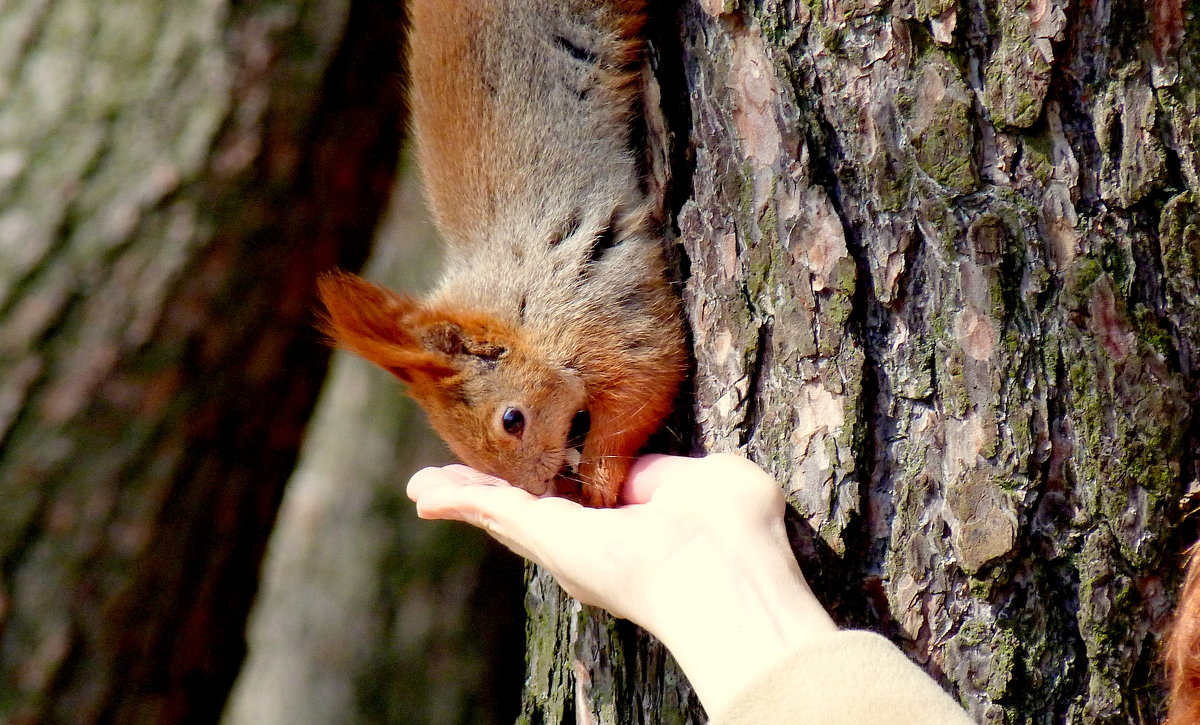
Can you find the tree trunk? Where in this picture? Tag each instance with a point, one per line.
(173, 175)
(943, 278)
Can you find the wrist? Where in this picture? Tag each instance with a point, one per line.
(731, 616)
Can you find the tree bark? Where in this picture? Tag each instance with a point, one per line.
(173, 175)
(942, 273)
(943, 277)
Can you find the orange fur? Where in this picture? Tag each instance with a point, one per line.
(555, 301)
(1183, 650)
(479, 142)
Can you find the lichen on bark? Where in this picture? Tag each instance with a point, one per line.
(932, 292)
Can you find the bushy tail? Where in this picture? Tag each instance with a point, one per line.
(1183, 650)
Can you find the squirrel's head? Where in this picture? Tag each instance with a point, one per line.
(502, 407)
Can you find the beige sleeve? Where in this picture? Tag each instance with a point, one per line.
(850, 677)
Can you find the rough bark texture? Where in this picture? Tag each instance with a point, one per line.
(173, 175)
(943, 282)
(943, 278)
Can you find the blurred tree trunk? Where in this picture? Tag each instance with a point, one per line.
(944, 283)
(366, 615)
(173, 175)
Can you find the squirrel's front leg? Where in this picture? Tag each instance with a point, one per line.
(609, 451)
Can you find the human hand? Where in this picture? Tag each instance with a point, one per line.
(696, 554)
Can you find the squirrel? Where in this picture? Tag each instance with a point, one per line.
(553, 346)
(1181, 650)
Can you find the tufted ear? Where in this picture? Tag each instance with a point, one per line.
(393, 331)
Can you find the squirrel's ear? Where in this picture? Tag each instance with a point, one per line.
(379, 325)
(454, 332)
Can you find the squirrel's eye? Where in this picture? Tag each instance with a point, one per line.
(513, 421)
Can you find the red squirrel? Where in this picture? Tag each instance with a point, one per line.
(553, 346)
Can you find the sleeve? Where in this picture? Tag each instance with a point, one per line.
(849, 677)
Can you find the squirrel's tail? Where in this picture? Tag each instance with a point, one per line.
(1183, 650)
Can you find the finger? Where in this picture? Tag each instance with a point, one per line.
(452, 498)
(528, 525)
(475, 476)
(650, 472)
(426, 479)
(462, 493)
(468, 503)
(429, 478)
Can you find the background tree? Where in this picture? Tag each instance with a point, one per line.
(173, 175)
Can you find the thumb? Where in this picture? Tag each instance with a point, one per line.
(650, 472)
